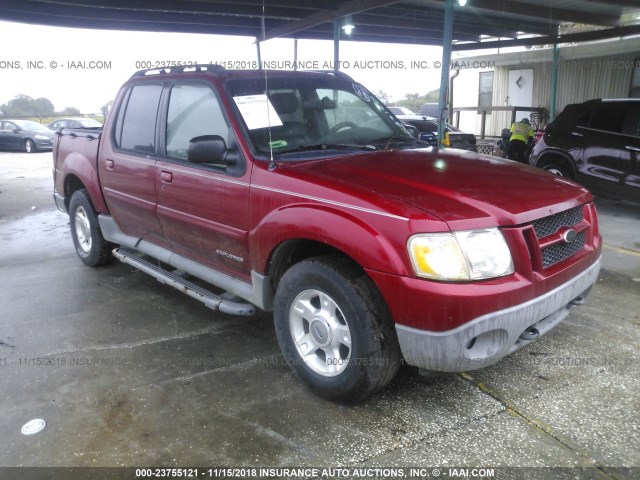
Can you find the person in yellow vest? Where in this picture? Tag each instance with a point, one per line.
(521, 135)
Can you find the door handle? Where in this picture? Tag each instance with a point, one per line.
(634, 149)
(109, 164)
(577, 134)
(166, 177)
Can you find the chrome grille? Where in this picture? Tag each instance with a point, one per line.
(559, 251)
(550, 225)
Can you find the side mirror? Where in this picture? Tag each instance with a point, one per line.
(429, 138)
(415, 133)
(208, 149)
(17, 130)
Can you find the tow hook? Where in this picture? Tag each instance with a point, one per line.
(529, 334)
(579, 300)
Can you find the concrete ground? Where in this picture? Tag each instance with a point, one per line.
(129, 372)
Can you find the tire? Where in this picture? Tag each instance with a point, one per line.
(556, 167)
(29, 146)
(90, 245)
(335, 330)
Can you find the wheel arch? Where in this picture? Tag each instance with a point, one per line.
(72, 184)
(292, 234)
(559, 156)
(81, 173)
(295, 250)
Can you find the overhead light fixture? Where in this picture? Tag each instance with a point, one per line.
(462, 3)
(347, 25)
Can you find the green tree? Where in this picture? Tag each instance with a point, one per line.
(24, 105)
(70, 111)
(383, 96)
(415, 101)
(105, 108)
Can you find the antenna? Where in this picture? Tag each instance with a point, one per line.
(272, 163)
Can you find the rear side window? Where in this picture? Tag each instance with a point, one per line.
(608, 117)
(136, 126)
(632, 123)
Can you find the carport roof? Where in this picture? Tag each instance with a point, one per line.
(406, 22)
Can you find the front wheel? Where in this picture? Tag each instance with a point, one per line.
(29, 146)
(90, 245)
(334, 329)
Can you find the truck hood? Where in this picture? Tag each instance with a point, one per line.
(464, 189)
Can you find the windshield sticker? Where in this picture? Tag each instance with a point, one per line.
(257, 111)
(361, 92)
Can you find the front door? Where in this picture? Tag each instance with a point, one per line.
(203, 208)
(9, 138)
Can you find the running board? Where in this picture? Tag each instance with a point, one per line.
(210, 299)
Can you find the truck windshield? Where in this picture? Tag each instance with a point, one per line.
(310, 115)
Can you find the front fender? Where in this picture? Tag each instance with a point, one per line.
(373, 245)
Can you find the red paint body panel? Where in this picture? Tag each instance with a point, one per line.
(364, 204)
(80, 162)
(201, 212)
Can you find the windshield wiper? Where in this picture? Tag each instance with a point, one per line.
(401, 140)
(327, 146)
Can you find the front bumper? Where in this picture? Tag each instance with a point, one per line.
(487, 339)
(44, 145)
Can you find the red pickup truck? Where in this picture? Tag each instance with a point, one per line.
(302, 194)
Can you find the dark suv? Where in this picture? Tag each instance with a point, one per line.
(596, 143)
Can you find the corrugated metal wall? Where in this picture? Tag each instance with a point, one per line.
(578, 81)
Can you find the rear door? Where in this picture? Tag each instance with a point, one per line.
(203, 208)
(128, 165)
(600, 131)
(630, 155)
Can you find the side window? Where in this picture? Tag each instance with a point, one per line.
(193, 111)
(585, 120)
(634, 89)
(485, 94)
(138, 127)
(609, 117)
(632, 122)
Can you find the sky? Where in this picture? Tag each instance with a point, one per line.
(84, 68)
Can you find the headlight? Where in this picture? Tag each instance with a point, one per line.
(464, 255)
(42, 137)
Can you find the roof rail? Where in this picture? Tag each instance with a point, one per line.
(339, 74)
(209, 68)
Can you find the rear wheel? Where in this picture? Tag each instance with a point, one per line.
(334, 329)
(29, 146)
(90, 245)
(557, 167)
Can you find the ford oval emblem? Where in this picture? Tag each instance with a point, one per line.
(569, 236)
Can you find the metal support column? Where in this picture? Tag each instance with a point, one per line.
(336, 43)
(554, 83)
(446, 59)
(259, 56)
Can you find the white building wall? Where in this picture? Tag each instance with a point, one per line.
(584, 72)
